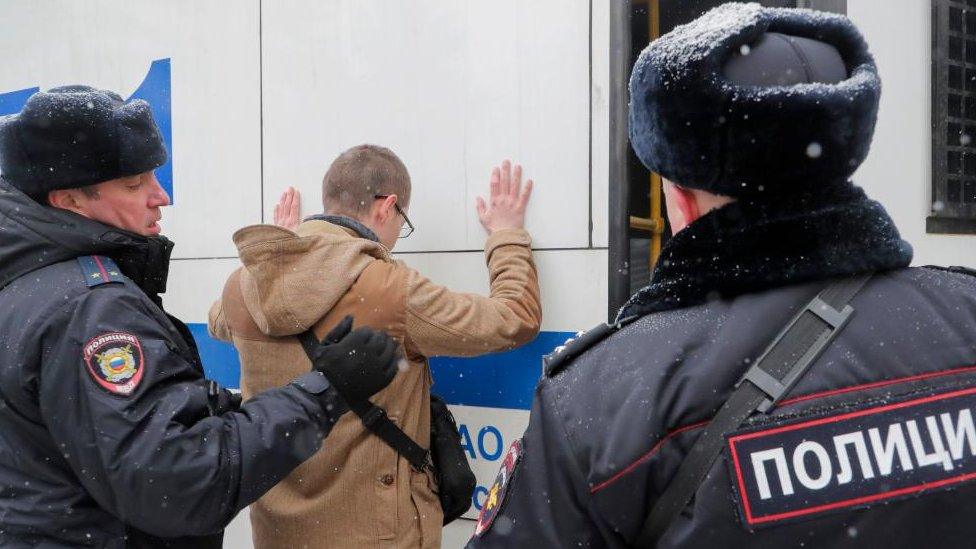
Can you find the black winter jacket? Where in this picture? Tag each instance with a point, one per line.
(876, 445)
(109, 434)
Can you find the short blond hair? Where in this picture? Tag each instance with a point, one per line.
(361, 173)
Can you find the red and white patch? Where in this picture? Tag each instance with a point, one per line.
(853, 458)
(498, 490)
(115, 362)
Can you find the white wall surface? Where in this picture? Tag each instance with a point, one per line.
(898, 171)
(600, 123)
(452, 87)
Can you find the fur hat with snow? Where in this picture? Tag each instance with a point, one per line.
(75, 136)
(748, 101)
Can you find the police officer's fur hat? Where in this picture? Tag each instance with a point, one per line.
(74, 136)
(696, 127)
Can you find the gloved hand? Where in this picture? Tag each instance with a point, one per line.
(358, 363)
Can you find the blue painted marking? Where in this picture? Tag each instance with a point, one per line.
(497, 436)
(156, 89)
(12, 102)
(466, 442)
(498, 380)
(220, 360)
(478, 497)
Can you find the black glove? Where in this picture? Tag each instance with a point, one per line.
(358, 363)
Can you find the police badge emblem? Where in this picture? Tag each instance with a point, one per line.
(496, 494)
(115, 362)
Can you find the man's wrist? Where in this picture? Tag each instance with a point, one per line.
(315, 383)
(506, 237)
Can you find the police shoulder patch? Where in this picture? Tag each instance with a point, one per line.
(853, 458)
(114, 360)
(496, 494)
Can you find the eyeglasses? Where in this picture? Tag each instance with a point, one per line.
(404, 231)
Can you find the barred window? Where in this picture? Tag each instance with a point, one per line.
(953, 117)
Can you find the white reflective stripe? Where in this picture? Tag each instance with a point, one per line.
(778, 457)
(860, 449)
(964, 432)
(884, 452)
(800, 466)
(938, 455)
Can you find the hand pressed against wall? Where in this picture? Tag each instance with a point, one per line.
(506, 207)
(288, 210)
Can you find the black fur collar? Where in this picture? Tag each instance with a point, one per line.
(751, 246)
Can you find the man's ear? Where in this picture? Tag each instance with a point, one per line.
(385, 209)
(66, 199)
(686, 202)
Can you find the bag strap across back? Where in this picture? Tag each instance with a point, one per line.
(769, 379)
(375, 419)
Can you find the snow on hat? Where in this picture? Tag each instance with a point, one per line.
(74, 136)
(703, 123)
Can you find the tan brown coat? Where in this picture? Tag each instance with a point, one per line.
(355, 492)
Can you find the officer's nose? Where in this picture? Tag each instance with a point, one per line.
(158, 198)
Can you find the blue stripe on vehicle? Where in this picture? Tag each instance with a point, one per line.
(220, 360)
(497, 380)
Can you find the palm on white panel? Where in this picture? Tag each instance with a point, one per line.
(505, 208)
(288, 210)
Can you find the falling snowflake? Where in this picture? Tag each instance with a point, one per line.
(814, 150)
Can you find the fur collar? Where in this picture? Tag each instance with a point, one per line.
(750, 246)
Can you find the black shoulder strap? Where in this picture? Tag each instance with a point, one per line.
(772, 376)
(375, 419)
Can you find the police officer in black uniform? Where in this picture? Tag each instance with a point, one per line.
(109, 434)
(682, 424)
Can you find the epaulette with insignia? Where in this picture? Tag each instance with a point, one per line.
(954, 269)
(963, 270)
(557, 360)
(98, 270)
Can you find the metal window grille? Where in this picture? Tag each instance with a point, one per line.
(953, 208)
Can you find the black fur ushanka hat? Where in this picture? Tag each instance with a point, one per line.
(75, 136)
(693, 126)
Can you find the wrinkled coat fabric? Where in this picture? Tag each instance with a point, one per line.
(168, 465)
(357, 492)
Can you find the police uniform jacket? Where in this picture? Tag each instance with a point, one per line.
(109, 434)
(875, 446)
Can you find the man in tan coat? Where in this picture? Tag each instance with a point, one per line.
(357, 492)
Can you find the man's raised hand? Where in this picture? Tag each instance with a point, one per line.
(505, 208)
(288, 210)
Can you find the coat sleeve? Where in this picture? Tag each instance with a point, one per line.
(545, 503)
(217, 322)
(442, 322)
(129, 410)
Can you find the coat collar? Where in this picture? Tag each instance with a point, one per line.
(361, 230)
(34, 236)
(750, 246)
